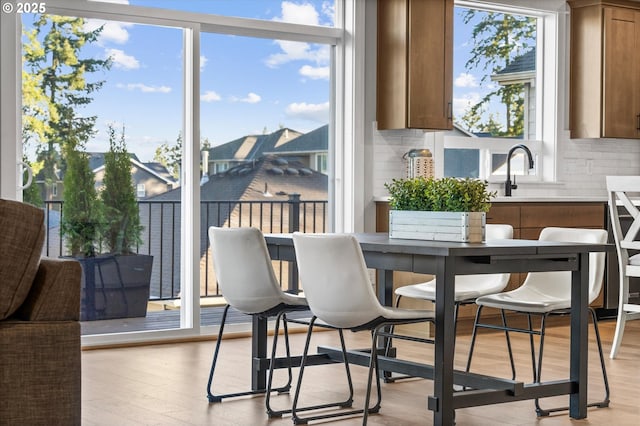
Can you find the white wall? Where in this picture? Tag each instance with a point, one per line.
(581, 165)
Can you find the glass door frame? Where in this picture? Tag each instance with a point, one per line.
(345, 62)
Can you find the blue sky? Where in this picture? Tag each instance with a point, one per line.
(248, 85)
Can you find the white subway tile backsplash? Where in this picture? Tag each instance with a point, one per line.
(581, 168)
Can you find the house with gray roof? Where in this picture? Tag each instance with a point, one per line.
(247, 149)
(149, 178)
(310, 148)
(522, 70)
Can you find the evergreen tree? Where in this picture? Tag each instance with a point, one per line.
(81, 211)
(122, 217)
(55, 85)
(497, 39)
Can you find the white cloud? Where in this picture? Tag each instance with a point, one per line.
(314, 73)
(315, 112)
(114, 32)
(295, 51)
(251, 98)
(144, 88)
(203, 62)
(210, 96)
(122, 60)
(299, 13)
(329, 10)
(462, 104)
(465, 80)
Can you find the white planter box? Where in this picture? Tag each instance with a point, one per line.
(437, 226)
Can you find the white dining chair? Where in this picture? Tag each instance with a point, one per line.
(544, 294)
(620, 189)
(467, 287)
(334, 277)
(248, 283)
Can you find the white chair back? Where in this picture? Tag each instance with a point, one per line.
(619, 189)
(558, 284)
(335, 280)
(243, 268)
(487, 283)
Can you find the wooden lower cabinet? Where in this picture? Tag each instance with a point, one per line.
(528, 219)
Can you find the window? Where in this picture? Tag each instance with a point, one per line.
(185, 72)
(140, 191)
(220, 167)
(499, 81)
(321, 163)
(299, 12)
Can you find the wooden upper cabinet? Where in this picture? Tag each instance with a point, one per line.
(415, 64)
(605, 69)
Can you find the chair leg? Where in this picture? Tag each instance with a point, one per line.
(622, 316)
(605, 379)
(389, 341)
(474, 333)
(373, 367)
(343, 404)
(508, 339)
(210, 395)
(536, 371)
(283, 389)
(602, 404)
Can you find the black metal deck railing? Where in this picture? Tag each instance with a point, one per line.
(161, 236)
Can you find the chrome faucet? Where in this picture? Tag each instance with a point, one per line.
(508, 186)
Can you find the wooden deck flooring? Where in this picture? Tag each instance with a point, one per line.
(165, 320)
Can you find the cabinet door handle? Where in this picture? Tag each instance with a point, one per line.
(638, 121)
(450, 111)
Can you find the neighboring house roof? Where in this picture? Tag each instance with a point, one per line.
(458, 130)
(524, 62)
(520, 68)
(96, 159)
(315, 141)
(248, 182)
(160, 170)
(96, 163)
(251, 147)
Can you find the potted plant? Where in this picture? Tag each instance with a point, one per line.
(81, 220)
(125, 275)
(101, 232)
(447, 209)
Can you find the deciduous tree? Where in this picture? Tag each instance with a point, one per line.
(497, 39)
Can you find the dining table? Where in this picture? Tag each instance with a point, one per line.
(445, 260)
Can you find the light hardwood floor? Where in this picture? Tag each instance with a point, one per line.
(165, 384)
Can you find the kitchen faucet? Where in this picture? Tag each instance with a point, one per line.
(508, 186)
